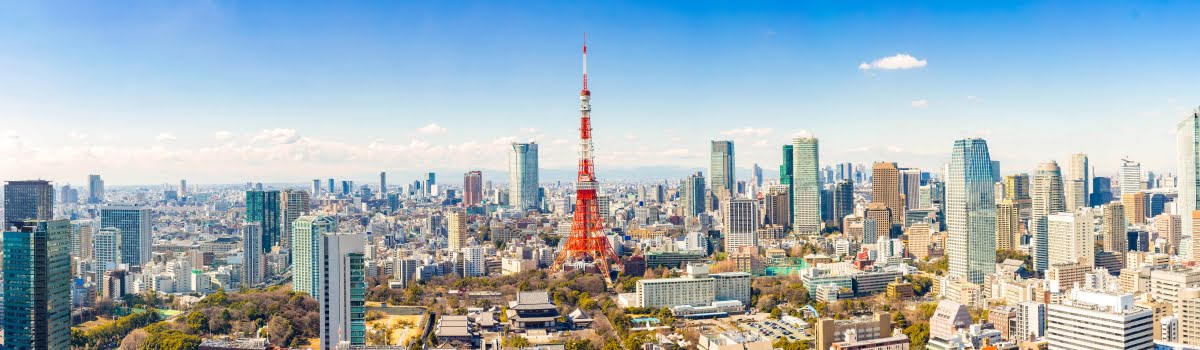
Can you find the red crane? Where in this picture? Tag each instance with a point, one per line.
(587, 241)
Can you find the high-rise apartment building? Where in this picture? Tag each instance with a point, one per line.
(806, 185)
(741, 223)
(1189, 316)
(880, 216)
(263, 207)
(523, 176)
(1008, 225)
(721, 170)
(106, 251)
(293, 205)
(472, 188)
(885, 188)
(253, 264)
(1071, 238)
(1170, 228)
(133, 221)
(342, 286)
(1113, 228)
(306, 238)
(95, 189)
(27, 200)
(1046, 193)
(775, 207)
(382, 185)
(1135, 207)
(970, 211)
(456, 237)
(37, 288)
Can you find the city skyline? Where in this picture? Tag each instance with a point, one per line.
(214, 85)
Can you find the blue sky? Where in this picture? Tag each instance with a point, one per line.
(232, 91)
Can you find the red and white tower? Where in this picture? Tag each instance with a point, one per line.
(587, 241)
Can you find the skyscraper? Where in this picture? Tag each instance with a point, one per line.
(134, 224)
(785, 178)
(1048, 198)
(95, 189)
(27, 200)
(1187, 134)
(758, 176)
(1008, 225)
(843, 201)
(741, 223)
(1135, 207)
(263, 207)
(523, 176)
(456, 233)
(316, 188)
(37, 290)
(970, 211)
(253, 266)
(1081, 174)
(472, 188)
(1131, 176)
(910, 188)
(306, 238)
(885, 188)
(1170, 228)
(694, 195)
(332, 188)
(343, 289)
(721, 170)
(293, 204)
(382, 185)
(183, 188)
(106, 250)
(1070, 238)
(806, 186)
(1113, 229)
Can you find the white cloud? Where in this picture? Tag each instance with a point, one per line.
(922, 103)
(899, 61)
(164, 137)
(894, 149)
(529, 130)
(280, 136)
(76, 135)
(558, 142)
(803, 133)
(748, 132)
(223, 135)
(431, 129)
(973, 98)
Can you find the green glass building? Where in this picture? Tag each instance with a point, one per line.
(263, 207)
(37, 294)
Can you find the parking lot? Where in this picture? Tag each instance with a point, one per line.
(776, 329)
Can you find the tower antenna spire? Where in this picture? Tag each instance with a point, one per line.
(585, 88)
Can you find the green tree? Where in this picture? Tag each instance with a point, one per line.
(918, 335)
(900, 321)
(516, 341)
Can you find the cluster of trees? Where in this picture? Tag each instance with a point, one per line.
(161, 336)
(767, 293)
(107, 335)
(290, 317)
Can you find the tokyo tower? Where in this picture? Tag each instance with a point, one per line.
(587, 242)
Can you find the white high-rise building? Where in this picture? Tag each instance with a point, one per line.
(1131, 176)
(106, 248)
(741, 224)
(1046, 193)
(474, 264)
(306, 236)
(1187, 134)
(342, 287)
(292, 205)
(1090, 320)
(523, 176)
(253, 264)
(806, 183)
(970, 211)
(1071, 238)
